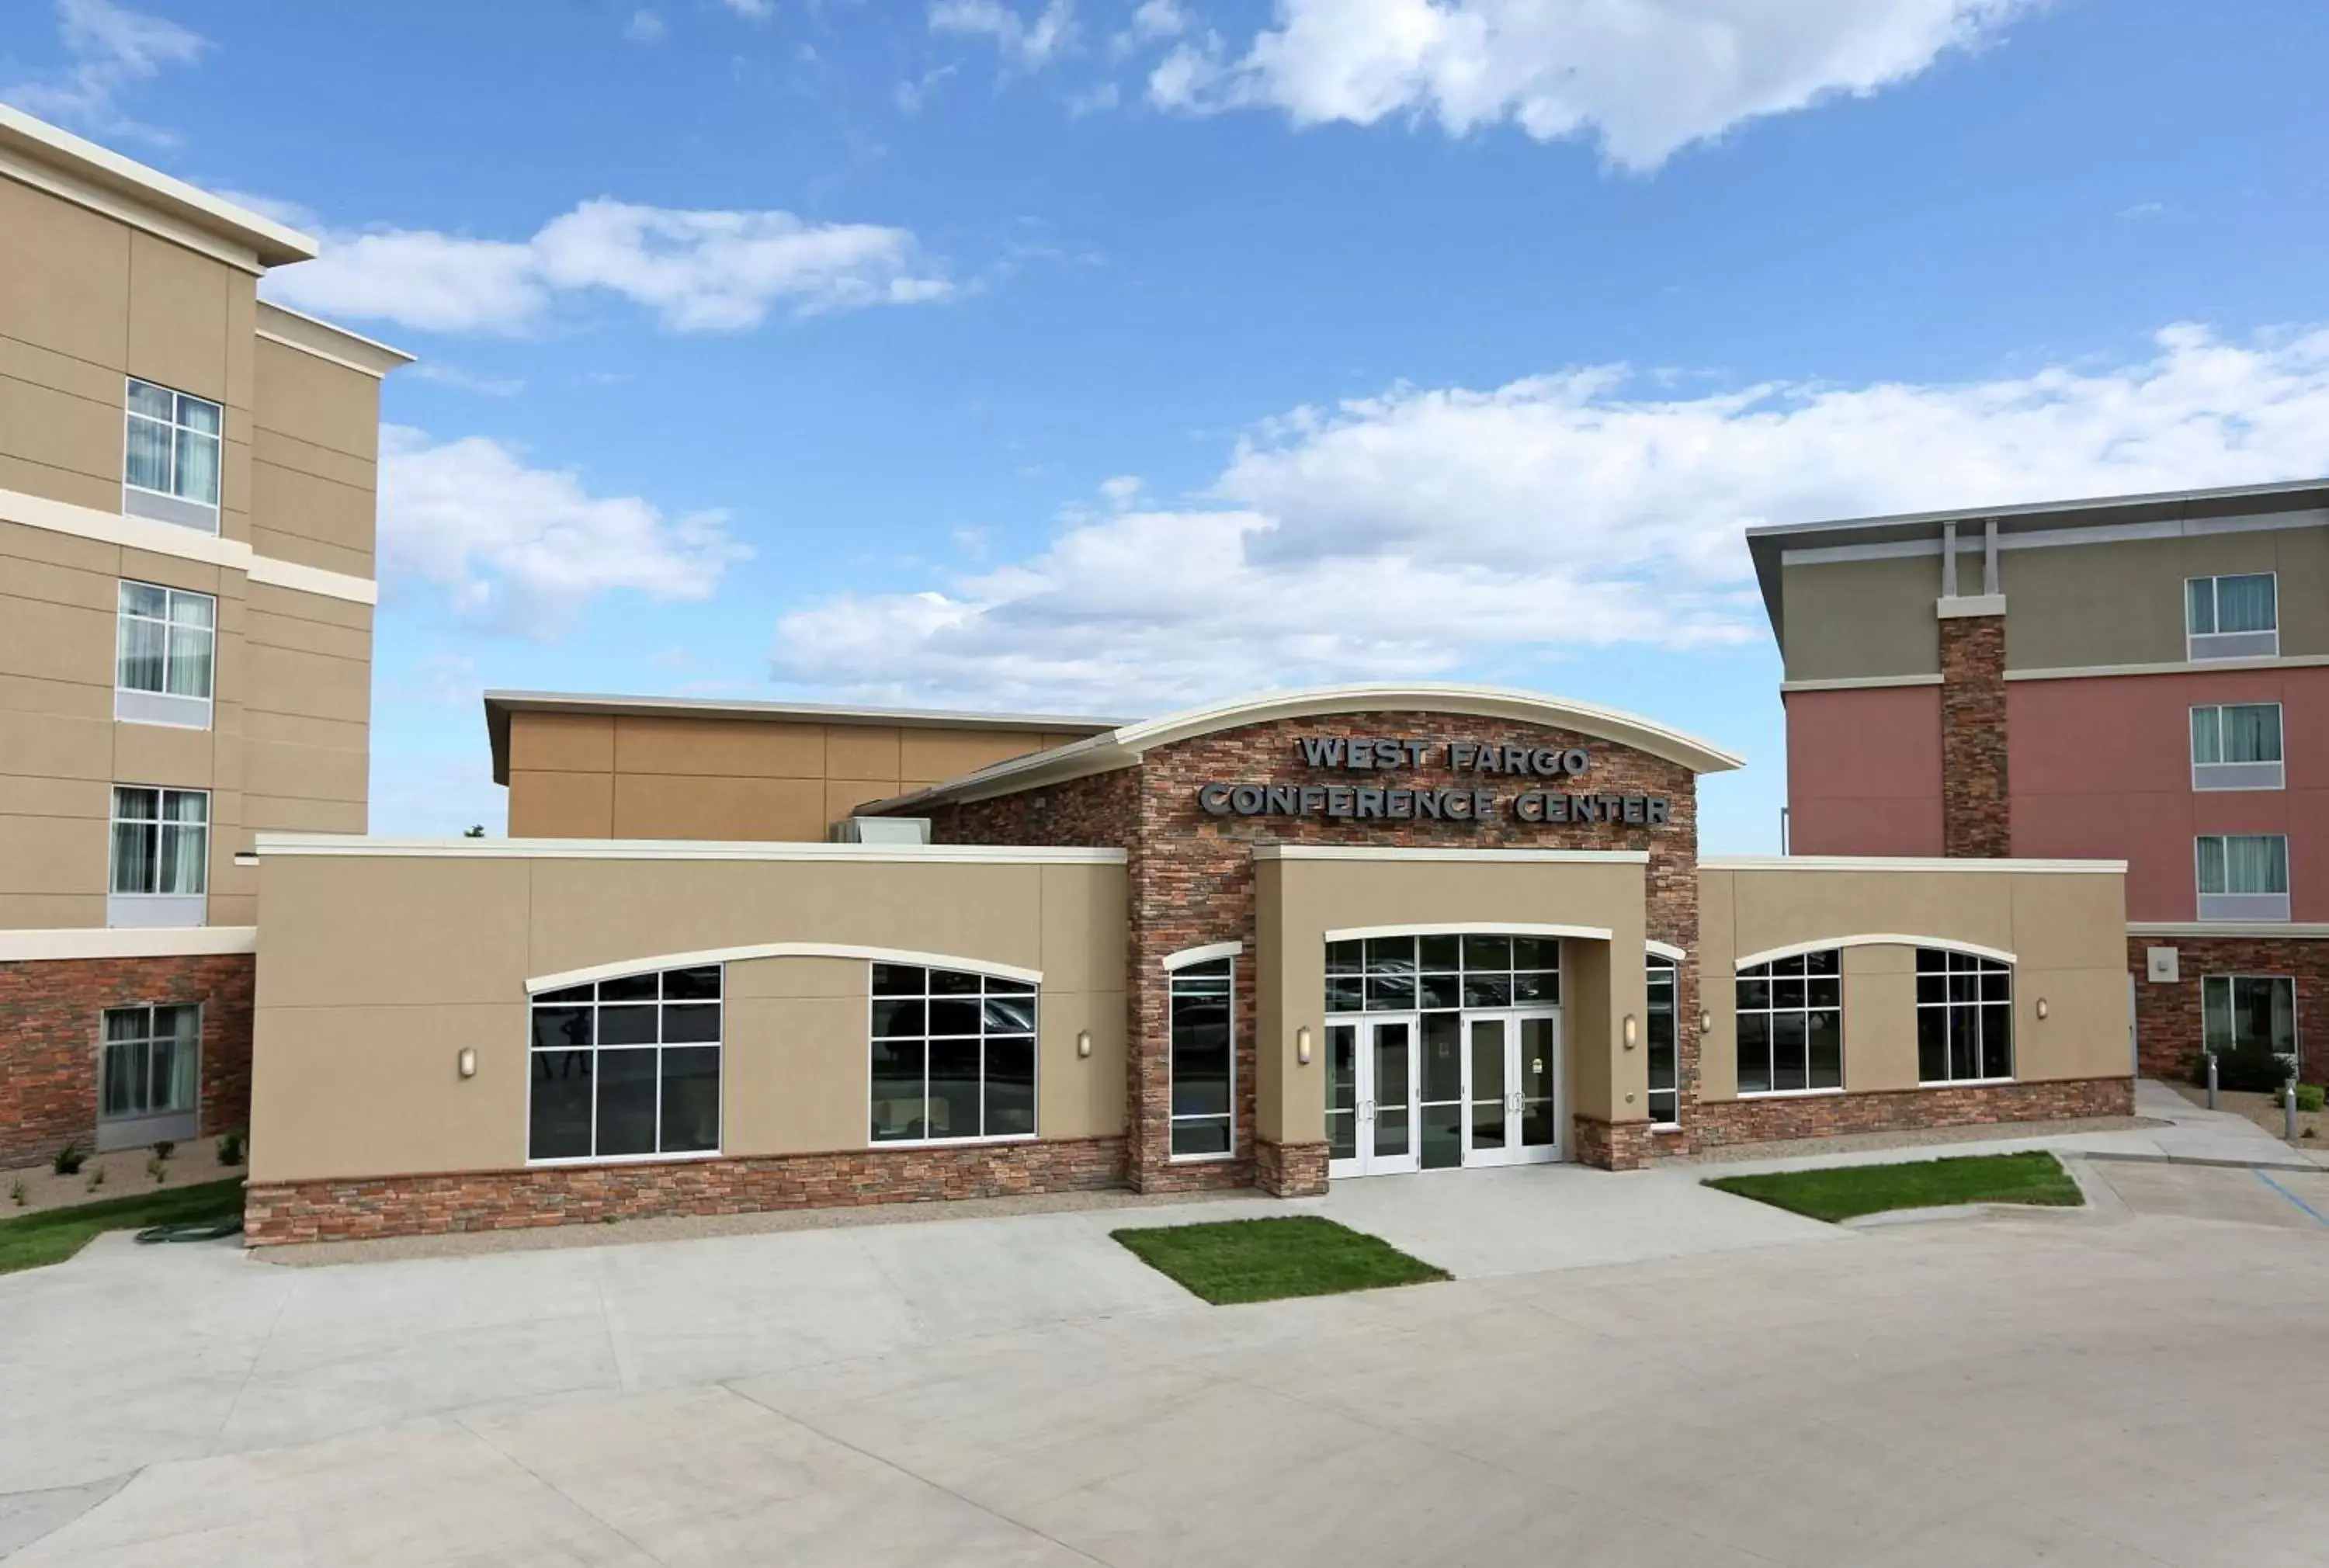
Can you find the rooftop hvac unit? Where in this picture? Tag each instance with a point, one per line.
(882, 831)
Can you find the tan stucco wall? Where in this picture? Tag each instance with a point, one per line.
(444, 945)
(85, 301)
(2077, 606)
(653, 777)
(1849, 620)
(1298, 901)
(2066, 930)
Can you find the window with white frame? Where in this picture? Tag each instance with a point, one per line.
(152, 1062)
(1965, 1016)
(170, 461)
(2243, 875)
(1790, 1024)
(953, 1056)
(1202, 1000)
(161, 841)
(2232, 617)
(2236, 745)
(626, 1067)
(165, 655)
(2249, 1012)
(1660, 1040)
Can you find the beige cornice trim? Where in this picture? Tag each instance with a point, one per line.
(1484, 855)
(1205, 954)
(2199, 930)
(1471, 927)
(358, 846)
(2173, 667)
(1872, 939)
(185, 543)
(1964, 606)
(127, 941)
(63, 164)
(1908, 863)
(843, 950)
(1860, 683)
(294, 330)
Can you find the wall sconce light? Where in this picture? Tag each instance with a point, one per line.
(1083, 1042)
(1302, 1044)
(1705, 1023)
(467, 1061)
(1632, 1031)
(2041, 1006)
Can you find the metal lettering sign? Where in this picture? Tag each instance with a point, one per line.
(1387, 802)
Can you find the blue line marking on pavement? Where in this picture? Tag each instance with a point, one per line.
(2292, 1197)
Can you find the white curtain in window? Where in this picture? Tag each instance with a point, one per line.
(2244, 603)
(186, 843)
(2251, 733)
(148, 464)
(197, 477)
(177, 1057)
(192, 637)
(142, 637)
(2256, 863)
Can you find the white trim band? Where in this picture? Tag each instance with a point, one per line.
(845, 949)
(1872, 939)
(1908, 863)
(127, 941)
(1860, 683)
(1472, 928)
(2199, 929)
(355, 845)
(184, 543)
(1964, 606)
(2173, 667)
(1494, 857)
(1206, 955)
(1665, 949)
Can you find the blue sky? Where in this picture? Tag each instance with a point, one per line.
(1108, 356)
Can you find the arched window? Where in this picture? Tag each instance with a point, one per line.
(626, 1067)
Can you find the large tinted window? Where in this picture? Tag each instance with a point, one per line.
(953, 1056)
(1661, 1042)
(1428, 974)
(1205, 1074)
(1791, 1024)
(626, 1066)
(1965, 1016)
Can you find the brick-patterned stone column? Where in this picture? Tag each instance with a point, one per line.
(52, 1020)
(1976, 818)
(2168, 1026)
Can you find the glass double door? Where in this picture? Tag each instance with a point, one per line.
(1442, 1090)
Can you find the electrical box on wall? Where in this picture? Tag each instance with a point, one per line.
(2161, 964)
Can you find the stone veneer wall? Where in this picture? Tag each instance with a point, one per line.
(1193, 884)
(1977, 812)
(486, 1200)
(51, 1021)
(1769, 1119)
(2168, 1036)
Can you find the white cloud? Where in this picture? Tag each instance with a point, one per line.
(113, 50)
(1031, 40)
(646, 25)
(524, 549)
(753, 10)
(1433, 532)
(1645, 77)
(699, 271)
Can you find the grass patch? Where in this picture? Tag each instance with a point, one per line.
(55, 1234)
(1846, 1192)
(1268, 1260)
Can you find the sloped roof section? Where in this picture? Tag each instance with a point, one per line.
(1124, 745)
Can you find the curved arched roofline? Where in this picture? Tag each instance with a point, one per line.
(1124, 745)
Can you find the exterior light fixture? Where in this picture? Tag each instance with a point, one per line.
(1083, 1042)
(2041, 1006)
(1302, 1044)
(1705, 1023)
(467, 1061)
(1632, 1031)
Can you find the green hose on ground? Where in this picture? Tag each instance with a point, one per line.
(192, 1230)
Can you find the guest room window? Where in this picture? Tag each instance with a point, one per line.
(170, 462)
(2236, 745)
(954, 1055)
(2232, 617)
(2243, 876)
(164, 644)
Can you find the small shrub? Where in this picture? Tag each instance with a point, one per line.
(2310, 1133)
(230, 1148)
(2310, 1096)
(158, 1168)
(164, 1148)
(18, 1194)
(97, 1178)
(69, 1159)
(2252, 1070)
